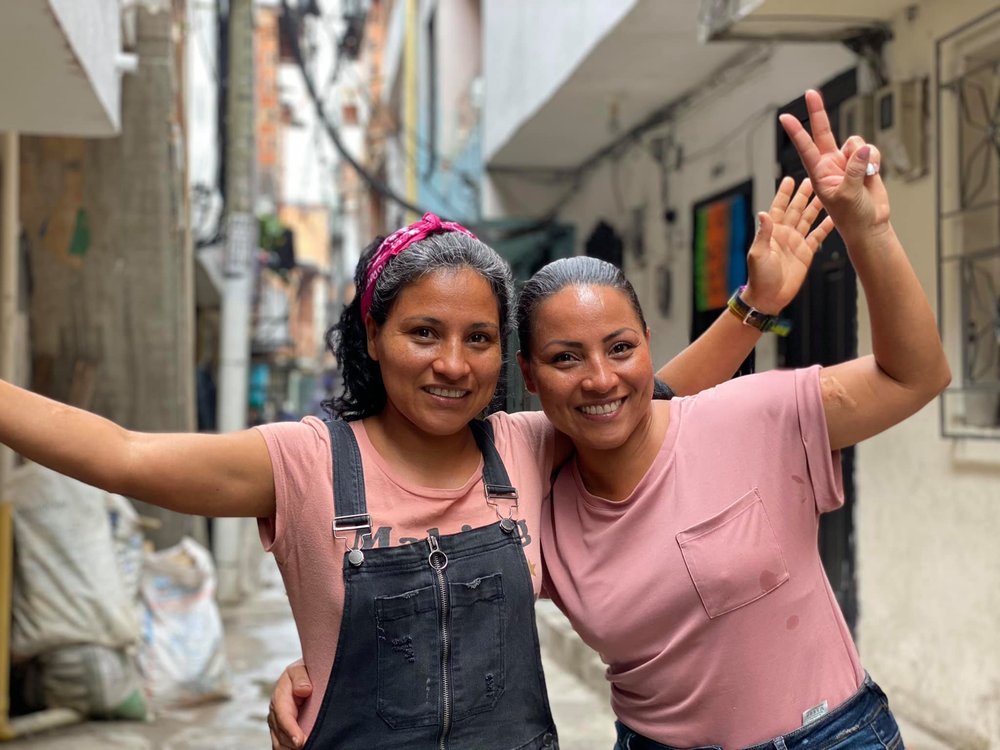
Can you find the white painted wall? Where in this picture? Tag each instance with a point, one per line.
(202, 91)
(459, 56)
(530, 48)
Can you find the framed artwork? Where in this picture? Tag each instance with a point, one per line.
(722, 230)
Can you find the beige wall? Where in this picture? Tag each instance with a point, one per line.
(311, 225)
(929, 507)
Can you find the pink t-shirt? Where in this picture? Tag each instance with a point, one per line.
(310, 559)
(704, 591)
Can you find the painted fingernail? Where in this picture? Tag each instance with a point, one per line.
(871, 169)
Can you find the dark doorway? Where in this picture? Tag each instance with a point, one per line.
(824, 331)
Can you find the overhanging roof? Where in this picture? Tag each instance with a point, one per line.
(58, 67)
(794, 20)
(650, 58)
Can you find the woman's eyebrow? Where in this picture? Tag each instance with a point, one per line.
(429, 320)
(579, 345)
(564, 343)
(616, 334)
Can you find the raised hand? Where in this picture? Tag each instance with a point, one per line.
(783, 249)
(851, 192)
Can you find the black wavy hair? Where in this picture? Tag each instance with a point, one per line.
(364, 392)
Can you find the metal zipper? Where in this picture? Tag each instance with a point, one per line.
(438, 561)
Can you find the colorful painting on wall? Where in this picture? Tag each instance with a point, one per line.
(722, 230)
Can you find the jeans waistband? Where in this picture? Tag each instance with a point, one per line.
(857, 710)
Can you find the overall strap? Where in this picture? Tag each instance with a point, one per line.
(350, 511)
(496, 483)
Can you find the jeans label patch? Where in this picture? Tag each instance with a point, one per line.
(814, 713)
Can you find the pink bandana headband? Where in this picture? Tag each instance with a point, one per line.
(396, 243)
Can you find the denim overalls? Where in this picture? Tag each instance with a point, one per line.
(438, 647)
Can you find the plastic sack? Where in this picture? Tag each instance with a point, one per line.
(181, 654)
(128, 543)
(67, 585)
(96, 681)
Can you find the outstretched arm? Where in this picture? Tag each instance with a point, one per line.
(908, 368)
(778, 262)
(211, 475)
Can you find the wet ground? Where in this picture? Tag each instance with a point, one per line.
(260, 641)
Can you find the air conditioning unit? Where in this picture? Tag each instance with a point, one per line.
(900, 127)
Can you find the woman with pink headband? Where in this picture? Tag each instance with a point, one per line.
(405, 530)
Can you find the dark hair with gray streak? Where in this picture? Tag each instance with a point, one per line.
(364, 392)
(551, 278)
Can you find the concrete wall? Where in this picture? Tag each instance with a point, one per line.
(531, 48)
(112, 298)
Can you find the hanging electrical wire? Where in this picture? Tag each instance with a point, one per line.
(290, 30)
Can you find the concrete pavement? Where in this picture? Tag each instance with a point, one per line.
(261, 639)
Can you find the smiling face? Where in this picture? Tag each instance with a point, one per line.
(439, 351)
(590, 365)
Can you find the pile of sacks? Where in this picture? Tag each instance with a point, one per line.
(99, 624)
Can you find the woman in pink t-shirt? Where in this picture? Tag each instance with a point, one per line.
(681, 537)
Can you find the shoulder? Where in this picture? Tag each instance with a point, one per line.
(756, 400)
(530, 430)
(526, 441)
(755, 390)
(291, 441)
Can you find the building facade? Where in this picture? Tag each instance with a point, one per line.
(626, 126)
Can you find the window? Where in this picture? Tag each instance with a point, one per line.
(968, 208)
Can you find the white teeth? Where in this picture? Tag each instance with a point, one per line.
(602, 408)
(446, 392)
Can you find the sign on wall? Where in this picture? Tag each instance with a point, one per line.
(722, 232)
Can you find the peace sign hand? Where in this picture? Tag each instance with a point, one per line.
(857, 201)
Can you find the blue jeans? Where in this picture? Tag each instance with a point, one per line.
(863, 722)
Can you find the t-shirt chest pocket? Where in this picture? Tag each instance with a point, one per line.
(733, 557)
